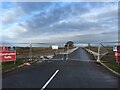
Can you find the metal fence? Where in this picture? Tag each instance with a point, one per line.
(35, 51)
(32, 51)
(108, 54)
(104, 53)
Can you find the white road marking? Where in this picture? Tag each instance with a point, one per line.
(81, 60)
(49, 80)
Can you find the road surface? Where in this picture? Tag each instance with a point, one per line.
(79, 71)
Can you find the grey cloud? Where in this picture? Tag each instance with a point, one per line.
(55, 15)
(29, 7)
(47, 23)
(78, 25)
(92, 38)
(43, 19)
(12, 15)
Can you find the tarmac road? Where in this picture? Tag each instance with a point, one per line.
(77, 72)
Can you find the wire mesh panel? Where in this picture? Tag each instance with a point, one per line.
(92, 49)
(109, 57)
(35, 51)
(23, 53)
(109, 47)
(105, 53)
(45, 52)
(102, 50)
(41, 51)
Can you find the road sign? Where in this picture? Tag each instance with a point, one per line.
(3, 48)
(6, 54)
(118, 54)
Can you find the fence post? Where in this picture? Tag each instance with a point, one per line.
(98, 58)
(67, 53)
(30, 51)
(14, 62)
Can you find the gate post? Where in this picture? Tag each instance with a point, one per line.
(98, 58)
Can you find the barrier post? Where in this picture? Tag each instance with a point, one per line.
(98, 59)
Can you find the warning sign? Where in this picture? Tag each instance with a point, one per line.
(6, 54)
(118, 54)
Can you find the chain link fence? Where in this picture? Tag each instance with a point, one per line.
(28, 53)
(34, 51)
(103, 52)
(108, 54)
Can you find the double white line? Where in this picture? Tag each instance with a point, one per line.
(49, 80)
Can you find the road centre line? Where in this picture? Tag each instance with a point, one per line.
(49, 80)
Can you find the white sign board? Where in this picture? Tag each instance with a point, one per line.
(114, 48)
(54, 47)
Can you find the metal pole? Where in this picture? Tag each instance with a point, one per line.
(98, 59)
(14, 62)
(67, 53)
(30, 51)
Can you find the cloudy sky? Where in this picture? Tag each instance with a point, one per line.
(59, 22)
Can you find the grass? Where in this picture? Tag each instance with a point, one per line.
(8, 65)
(113, 65)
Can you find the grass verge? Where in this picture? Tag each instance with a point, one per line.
(113, 65)
(9, 65)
